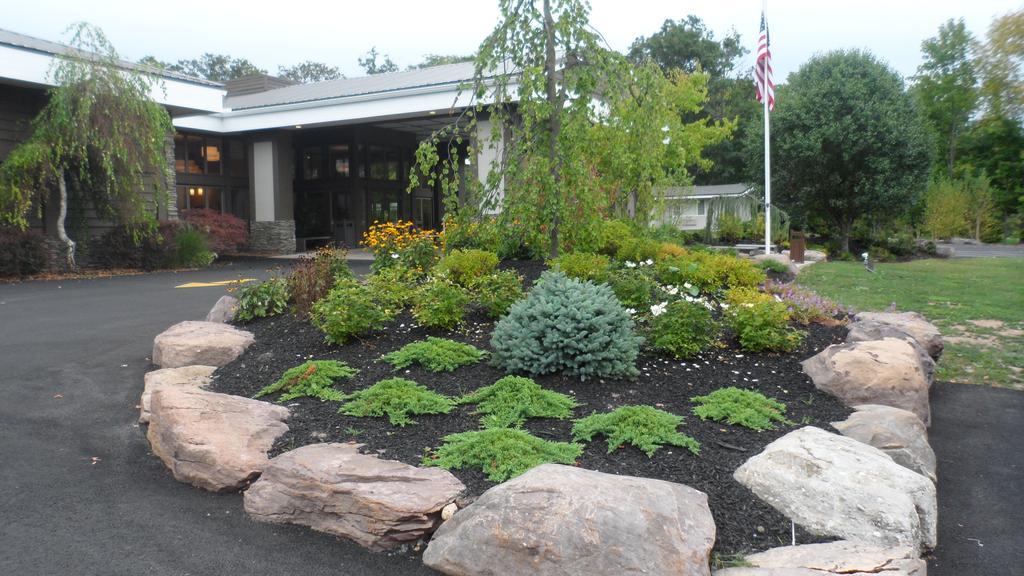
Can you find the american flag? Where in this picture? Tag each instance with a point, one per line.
(763, 67)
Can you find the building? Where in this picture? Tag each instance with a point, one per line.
(689, 207)
(303, 164)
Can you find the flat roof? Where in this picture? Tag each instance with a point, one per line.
(708, 191)
(443, 75)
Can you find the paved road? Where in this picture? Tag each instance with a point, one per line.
(972, 250)
(81, 495)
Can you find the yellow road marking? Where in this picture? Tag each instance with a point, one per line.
(217, 283)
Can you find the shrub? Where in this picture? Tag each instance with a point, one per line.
(741, 407)
(512, 399)
(348, 310)
(435, 354)
(440, 304)
(742, 295)
(684, 329)
(645, 427)
(396, 398)
(733, 272)
(466, 267)
(501, 453)
(496, 293)
(22, 252)
(583, 266)
(709, 271)
(638, 250)
(420, 254)
(191, 250)
(387, 240)
(564, 325)
(728, 227)
(267, 298)
(312, 278)
(314, 379)
(124, 248)
(392, 288)
(803, 305)
(775, 266)
(764, 327)
(670, 250)
(633, 287)
(613, 234)
(227, 233)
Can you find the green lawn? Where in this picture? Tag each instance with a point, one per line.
(978, 303)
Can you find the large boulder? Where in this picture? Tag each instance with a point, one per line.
(184, 377)
(837, 486)
(867, 330)
(898, 433)
(886, 372)
(913, 324)
(191, 343)
(214, 441)
(333, 488)
(562, 520)
(223, 310)
(833, 558)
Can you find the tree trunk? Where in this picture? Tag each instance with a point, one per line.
(61, 217)
(844, 236)
(554, 122)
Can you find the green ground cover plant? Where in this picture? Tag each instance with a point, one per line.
(645, 427)
(684, 329)
(268, 298)
(435, 355)
(977, 303)
(512, 399)
(398, 399)
(741, 407)
(501, 453)
(541, 333)
(314, 379)
(347, 311)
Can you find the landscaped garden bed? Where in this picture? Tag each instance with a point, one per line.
(700, 453)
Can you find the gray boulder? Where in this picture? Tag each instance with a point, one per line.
(886, 372)
(333, 488)
(562, 520)
(184, 377)
(837, 486)
(913, 324)
(223, 310)
(898, 433)
(191, 343)
(833, 558)
(214, 441)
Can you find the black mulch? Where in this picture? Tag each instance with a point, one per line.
(744, 523)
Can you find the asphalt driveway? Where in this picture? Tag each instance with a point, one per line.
(80, 494)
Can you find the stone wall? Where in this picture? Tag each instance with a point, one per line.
(277, 237)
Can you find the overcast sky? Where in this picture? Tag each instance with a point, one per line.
(338, 32)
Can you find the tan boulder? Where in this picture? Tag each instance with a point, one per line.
(913, 324)
(866, 330)
(223, 310)
(898, 433)
(333, 488)
(184, 377)
(214, 441)
(564, 521)
(886, 372)
(833, 558)
(837, 486)
(192, 343)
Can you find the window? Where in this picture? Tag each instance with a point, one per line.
(312, 163)
(423, 213)
(194, 157)
(237, 166)
(212, 153)
(384, 163)
(194, 154)
(701, 207)
(194, 197)
(179, 153)
(384, 206)
(338, 161)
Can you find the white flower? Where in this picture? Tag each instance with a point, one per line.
(659, 309)
(864, 255)
(672, 290)
(724, 306)
(649, 262)
(687, 285)
(630, 265)
(748, 305)
(630, 311)
(394, 255)
(777, 298)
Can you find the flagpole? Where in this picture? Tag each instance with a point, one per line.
(767, 151)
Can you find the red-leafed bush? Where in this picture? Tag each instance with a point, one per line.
(22, 253)
(226, 233)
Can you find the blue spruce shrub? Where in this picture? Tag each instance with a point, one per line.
(566, 325)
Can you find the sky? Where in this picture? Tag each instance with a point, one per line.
(339, 32)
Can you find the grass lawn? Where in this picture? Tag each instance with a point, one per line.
(978, 303)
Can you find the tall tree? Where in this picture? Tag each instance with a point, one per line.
(1002, 66)
(370, 65)
(689, 45)
(848, 142)
(309, 71)
(440, 59)
(946, 87)
(995, 145)
(581, 128)
(99, 140)
(216, 67)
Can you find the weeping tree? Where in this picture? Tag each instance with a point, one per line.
(99, 140)
(582, 129)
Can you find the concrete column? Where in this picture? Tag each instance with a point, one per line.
(273, 227)
(489, 150)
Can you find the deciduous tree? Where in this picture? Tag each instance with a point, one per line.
(309, 71)
(370, 65)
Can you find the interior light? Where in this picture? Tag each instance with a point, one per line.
(200, 192)
(432, 112)
(191, 191)
(297, 126)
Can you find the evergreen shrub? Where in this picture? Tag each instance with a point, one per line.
(645, 427)
(396, 398)
(501, 453)
(741, 407)
(512, 399)
(314, 379)
(435, 355)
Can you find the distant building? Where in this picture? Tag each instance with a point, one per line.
(689, 207)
